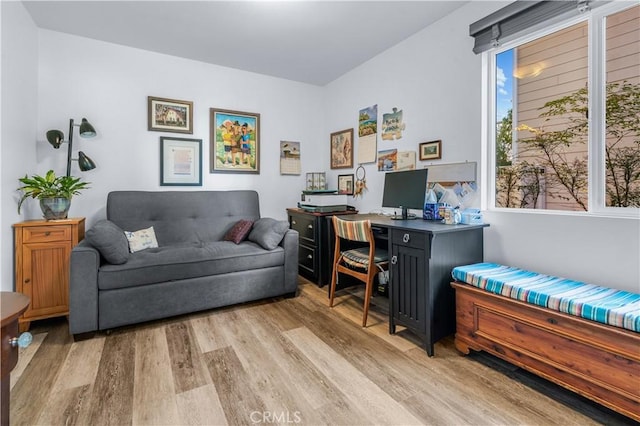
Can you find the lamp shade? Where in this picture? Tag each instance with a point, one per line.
(55, 138)
(85, 163)
(86, 129)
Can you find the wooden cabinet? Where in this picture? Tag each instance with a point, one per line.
(421, 298)
(42, 252)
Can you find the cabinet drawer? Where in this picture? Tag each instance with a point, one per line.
(41, 234)
(306, 227)
(409, 238)
(306, 258)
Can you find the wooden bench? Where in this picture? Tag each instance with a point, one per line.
(598, 361)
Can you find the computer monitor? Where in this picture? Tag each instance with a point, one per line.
(405, 190)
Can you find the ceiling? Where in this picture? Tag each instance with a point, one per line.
(308, 41)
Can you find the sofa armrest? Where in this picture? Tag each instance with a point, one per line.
(83, 289)
(290, 245)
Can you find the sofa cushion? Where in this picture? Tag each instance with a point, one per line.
(189, 260)
(268, 232)
(239, 231)
(110, 241)
(141, 240)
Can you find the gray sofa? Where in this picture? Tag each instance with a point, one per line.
(192, 269)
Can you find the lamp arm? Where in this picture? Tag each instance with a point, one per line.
(70, 147)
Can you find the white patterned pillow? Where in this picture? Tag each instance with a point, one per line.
(141, 240)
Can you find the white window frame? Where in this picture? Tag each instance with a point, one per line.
(597, 73)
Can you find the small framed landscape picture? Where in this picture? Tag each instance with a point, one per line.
(170, 115)
(180, 162)
(431, 150)
(342, 149)
(235, 142)
(345, 184)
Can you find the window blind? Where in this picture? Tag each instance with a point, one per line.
(510, 21)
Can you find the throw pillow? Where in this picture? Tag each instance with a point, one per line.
(268, 232)
(239, 231)
(141, 240)
(110, 241)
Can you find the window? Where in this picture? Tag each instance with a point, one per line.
(564, 115)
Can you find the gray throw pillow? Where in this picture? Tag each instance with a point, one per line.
(110, 241)
(268, 232)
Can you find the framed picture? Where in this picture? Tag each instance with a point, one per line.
(170, 115)
(431, 150)
(342, 149)
(345, 184)
(180, 162)
(235, 142)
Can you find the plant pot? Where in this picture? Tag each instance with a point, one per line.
(55, 208)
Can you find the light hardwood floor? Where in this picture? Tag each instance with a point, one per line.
(286, 361)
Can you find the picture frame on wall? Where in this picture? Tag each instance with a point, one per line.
(235, 141)
(345, 184)
(170, 115)
(180, 162)
(431, 150)
(342, 149)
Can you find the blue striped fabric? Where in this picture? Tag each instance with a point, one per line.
(605, 305)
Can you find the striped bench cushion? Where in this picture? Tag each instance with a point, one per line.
(608, 306)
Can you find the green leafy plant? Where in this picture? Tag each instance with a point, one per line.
(50, 186)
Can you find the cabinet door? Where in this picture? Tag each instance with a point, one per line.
(409, 287)
(45, 277)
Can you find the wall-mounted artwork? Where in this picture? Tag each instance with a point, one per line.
(392, 125)
(290, 158)
(431, 150)
(406, 160)
(345, 184)
(387, 160)
(235, 142)
(180, 161)
(367, 134)
(170, 115)
(342, 149)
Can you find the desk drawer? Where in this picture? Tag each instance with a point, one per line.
(408, 238)
(307, 258)
(306, 227)
(43, 234)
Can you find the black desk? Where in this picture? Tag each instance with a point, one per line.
(422, 254)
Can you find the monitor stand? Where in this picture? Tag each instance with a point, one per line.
(404, 216)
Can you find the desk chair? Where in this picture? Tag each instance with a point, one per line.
(362, 263)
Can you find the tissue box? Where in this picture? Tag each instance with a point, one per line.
(471, 217)
(431, 211)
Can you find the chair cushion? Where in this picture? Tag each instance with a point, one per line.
(110, 241)
(359, 257)
(268, 232)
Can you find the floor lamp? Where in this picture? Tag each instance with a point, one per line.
(56, 138)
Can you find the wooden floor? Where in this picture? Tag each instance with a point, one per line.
(292, 361)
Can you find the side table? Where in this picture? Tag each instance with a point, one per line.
(42, 253)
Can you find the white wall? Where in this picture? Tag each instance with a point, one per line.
(435, 78)
(19, 108)
(109, 84)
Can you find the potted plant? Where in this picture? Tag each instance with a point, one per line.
(54, 193)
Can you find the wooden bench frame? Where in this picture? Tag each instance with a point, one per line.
(598, 361)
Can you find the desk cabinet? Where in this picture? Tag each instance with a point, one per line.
(421, 298)
(42, 251)
(315, 251)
